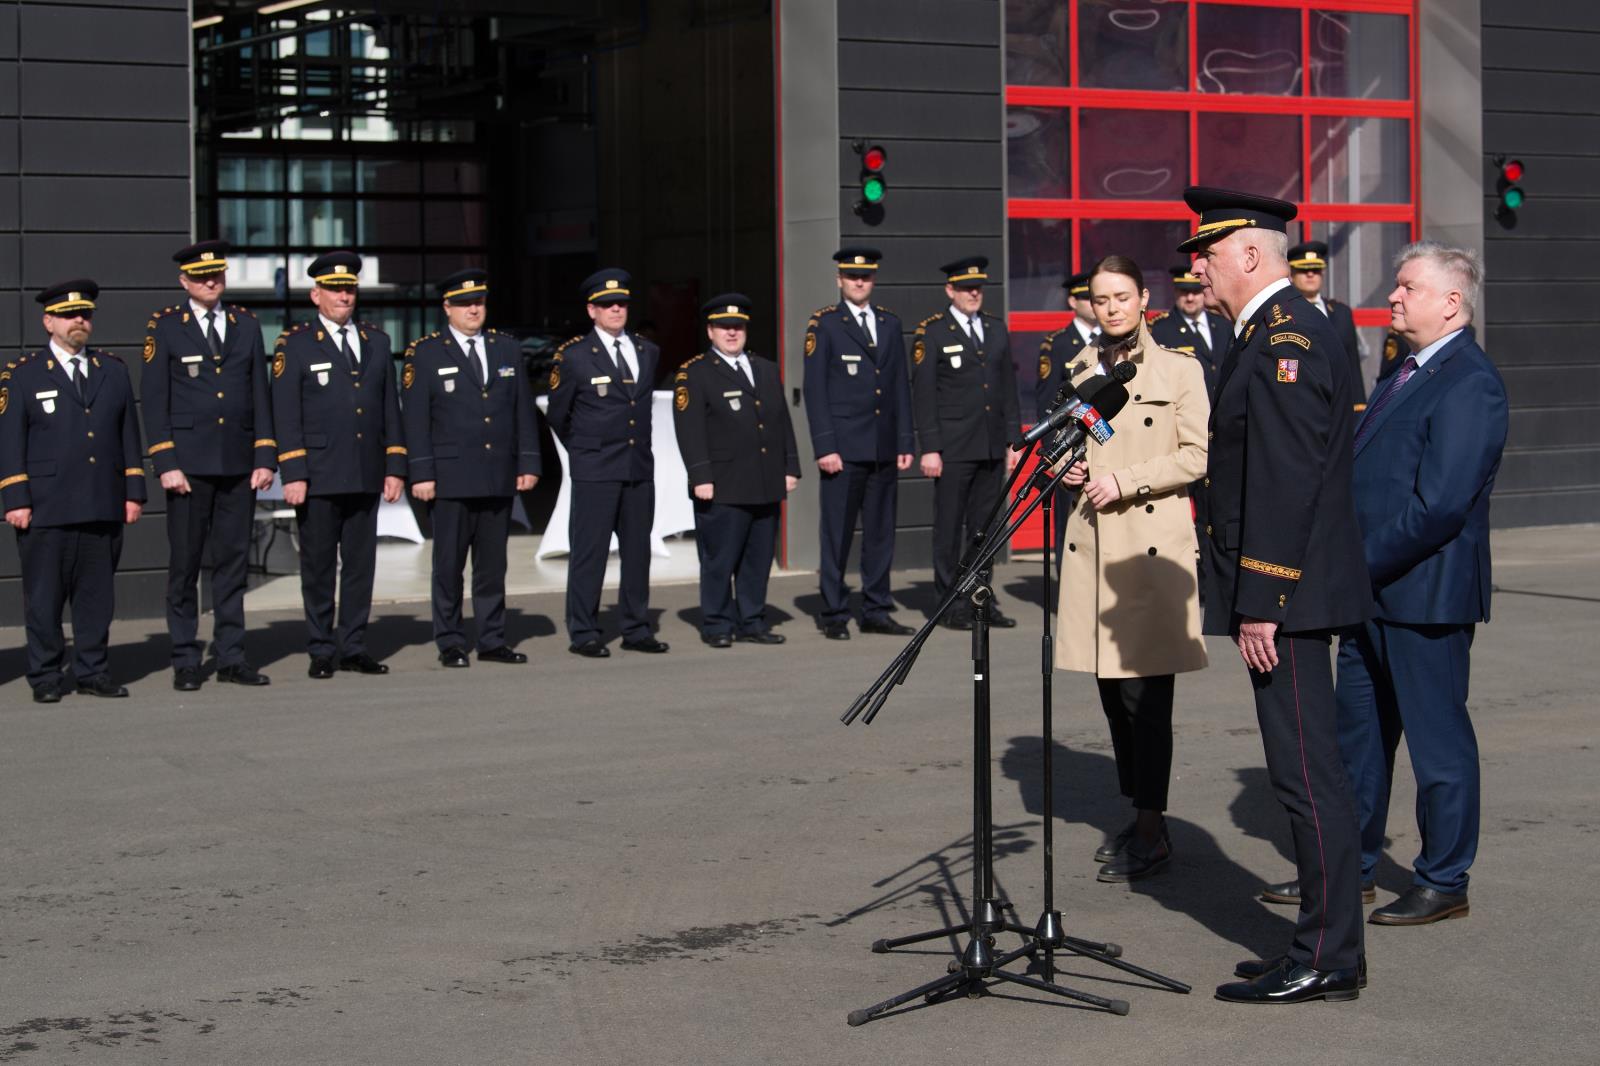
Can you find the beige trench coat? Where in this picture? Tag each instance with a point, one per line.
(1130, 602)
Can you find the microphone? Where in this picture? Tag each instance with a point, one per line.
(1068, 407)
(1089, 420)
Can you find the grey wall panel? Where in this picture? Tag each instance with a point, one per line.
(933, 67)
(1562, 51)
(9, 216)
(1548, 468)
(76, 146)
(973, 21)
(1543, 343)
(9, 73)
(1575, 259)
(10, 261)
(1538, 299)
(117, 34)
(1544, 508)
(8, 32)
(1547, 91)
(936, 116)
(1535, 134)
(1545, 15)
(116, 260)
(10, 151)
(94, 205)
(83, 90)
(1547, 427)
(1552, 386)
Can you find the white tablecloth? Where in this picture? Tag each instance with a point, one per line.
(394, 519)
(674, 509)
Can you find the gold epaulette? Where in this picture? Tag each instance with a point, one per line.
(565, 345)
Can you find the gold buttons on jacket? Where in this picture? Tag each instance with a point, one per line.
(1208, 530)
(1283, 600)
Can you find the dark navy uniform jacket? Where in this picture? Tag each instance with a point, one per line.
(603, 420)
(1171, 330)
(471, 440)
(1279, 538)
(736, 436)
(965, 400)
(71, 462)
(858, 400)
(1344, 327)
(338, 430)
(204, 415)
(1058, 355)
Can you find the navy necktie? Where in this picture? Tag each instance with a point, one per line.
(1408, 368)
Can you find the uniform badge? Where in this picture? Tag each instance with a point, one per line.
(1290, 338)
(733, 399)
(1044, 367)
(1278, 317)
(277, 364)
(555, 378)
(1391, 348)
(408, 375)
(601, 384)
(1248, 330)
(507, 372)
(680, 398)
(47, 400)
(955, 362)
(149, 347)
(852, 364)
(5, 399)
(1288, 370)
(449, 384)
(918, 352)
(321, 370)
(192, 364)
(811, 343)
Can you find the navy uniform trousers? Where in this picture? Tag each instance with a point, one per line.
(338, 534)
(598, 507)
(736, 542)
(1396, 679)
(480, 525)
(224, 506)
(1299, 730)
(975, 482)
(865, 490)
(74, 564)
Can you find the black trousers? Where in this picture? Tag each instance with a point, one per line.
(338, 540)
(1139, 711)
(736, 543)
(480, 526)
(962, 498)
(74, 564)
(212, 522)
(1299, 730)
(867, 491)
(599, 509)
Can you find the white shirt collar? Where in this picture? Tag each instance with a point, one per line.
(732, 359)
(964, 318)
(462, 339)
(1255, 304)
(200, 314)
(64, 355)
(352, 334)
(1433, 349)
(1085, 330)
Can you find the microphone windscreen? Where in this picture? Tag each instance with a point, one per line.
(1110, 399)
(1124, 371)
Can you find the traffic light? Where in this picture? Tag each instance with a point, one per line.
(874, 186)
(1511, 194)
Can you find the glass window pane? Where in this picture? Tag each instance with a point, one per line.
(1036, 42)
(1133, 155)
(452, 176)
(251, 223)
(1258, 153)
(401, 270)
(1038, 152)
(1360, 160)
(246, 174)
(390, 223)
(453, 222)
(1361, 259)
(1040, 253)
(1356, 55)
(1151, 244)
(322, 223)
(388, 176)
(1247, 50)
(1133, 44)
(320, 175)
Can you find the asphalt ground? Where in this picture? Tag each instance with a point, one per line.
(684, 858)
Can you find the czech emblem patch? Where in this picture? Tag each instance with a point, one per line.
(680, 398)
(278, 362)
(1044, 367)
(1288, 370)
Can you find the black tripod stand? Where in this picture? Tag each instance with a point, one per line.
(978, 965)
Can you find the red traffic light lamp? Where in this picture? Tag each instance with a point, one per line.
(1511, 195)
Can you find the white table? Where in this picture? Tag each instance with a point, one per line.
(674, 509)
(394, 519)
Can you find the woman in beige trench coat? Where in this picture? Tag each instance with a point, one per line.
(1130, 605)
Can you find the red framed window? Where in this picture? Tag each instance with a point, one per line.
(1113, 106)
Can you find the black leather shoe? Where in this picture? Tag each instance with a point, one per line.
(321, 668)
(717, 640)
(649, 645)
(503, 654)
(886, 626)
(362, 664)
(957, 618)
(1419, 906)
(1138, 860)
(590, 649)
(837, 630)
(1250, 969)
(455, 658)
(242, 674)
(186, 679)
(998, 619)
(103, 687)
(1112, 846)
(1289, 982)
(760, 636)
(1288, 892)
(48, 692)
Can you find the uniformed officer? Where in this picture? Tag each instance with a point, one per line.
(208, 417)
(472, 442)
(1281, 553)
(1307, 263)
(738, 445)
(858, 405)
(1060, 358)
(1189, 327)
(964, 395)
(70, 479)
(340, 448)
(600, 401)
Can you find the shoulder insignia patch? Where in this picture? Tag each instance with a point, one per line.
(1161, 316)
(697, 358)
(555, 378)
(1290, 338)
(931, 318)
(1044, 366)
(680, 398)
(5, 399)
(681, 375)
(1278, 318)
(811, 341)
(149, 348)
(565, 345)
(278, 361)
(1391, 348)
(919, 350)
(1251, 328)
(883, 309)
(1288, 371)
(408, 376)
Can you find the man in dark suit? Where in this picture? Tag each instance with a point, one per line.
(964, 395)
(1061, 356)
(1308, 263)
(600, 408)
(340, 448)
(1426, 454)
(472, 443)
(1281, 558)
(70, 479)
(208, 416)
(1189, 327)
(858, 405)
(738, 445)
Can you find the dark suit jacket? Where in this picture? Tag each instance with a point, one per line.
(858, 398)
(603, 419)
(1171, 330)
(204, 415)
(735, 436)
(965, 401)
(1423, 475)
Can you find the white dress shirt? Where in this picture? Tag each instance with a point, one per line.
(477, 341)
(352, 335)
(1433, 349)
(629, 357)
(76, 366)
(971, 323)
(221, 320)
(872, 319)
(741, 363)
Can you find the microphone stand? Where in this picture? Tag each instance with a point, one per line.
(977, 965)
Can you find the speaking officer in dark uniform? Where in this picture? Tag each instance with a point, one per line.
(340, 447)
(472, 443)
(208, 417)
(70, 479)
(600, 408)
(964, 395)
(1281, 555)
(1307, 262)
(1189, 327)
(1060, 358)
(858, 404)
(738, 445)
